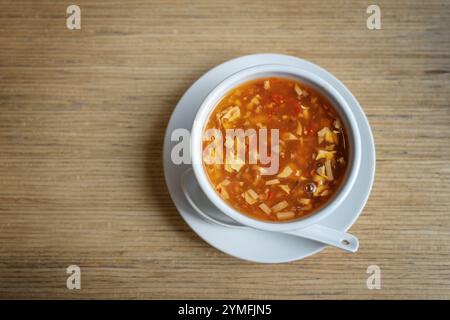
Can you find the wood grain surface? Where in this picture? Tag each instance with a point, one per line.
(82, 119)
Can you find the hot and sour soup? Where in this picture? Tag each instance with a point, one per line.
(313, 152)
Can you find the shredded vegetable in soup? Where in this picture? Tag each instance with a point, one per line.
(313, 149)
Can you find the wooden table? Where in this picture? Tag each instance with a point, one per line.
(82, 118)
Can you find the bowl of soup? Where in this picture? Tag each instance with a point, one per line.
(275, 147)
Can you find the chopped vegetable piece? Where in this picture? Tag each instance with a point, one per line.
(287, 171)
(324, 154)
(325, 134)
(321, 171)
(236, 165)
(328, 170)
(252, 193)
(285, 188)
(255, 100)
(304, 201)
(230, 114)
(250, 197)
(318, 179)
(306, 113)
(337, 124)
(280, 206)
(272, 182)
(299, 130)
(285, 215)
(298, 90)
(288, 136)
(265, 208)
(319, 190)
(224, 194)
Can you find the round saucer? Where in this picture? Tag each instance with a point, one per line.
(255, 245)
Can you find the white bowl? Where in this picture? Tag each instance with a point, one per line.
(264, 71)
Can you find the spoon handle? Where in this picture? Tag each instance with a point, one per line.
(332, 237)
(316, 232)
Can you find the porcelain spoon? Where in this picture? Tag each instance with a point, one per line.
(205, 208)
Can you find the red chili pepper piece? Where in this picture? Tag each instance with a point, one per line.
(310, 130)
(297, 109)
(277, 98)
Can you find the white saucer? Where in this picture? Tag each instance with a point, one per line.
(254, 245)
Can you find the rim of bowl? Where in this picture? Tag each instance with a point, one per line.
(275, 70)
